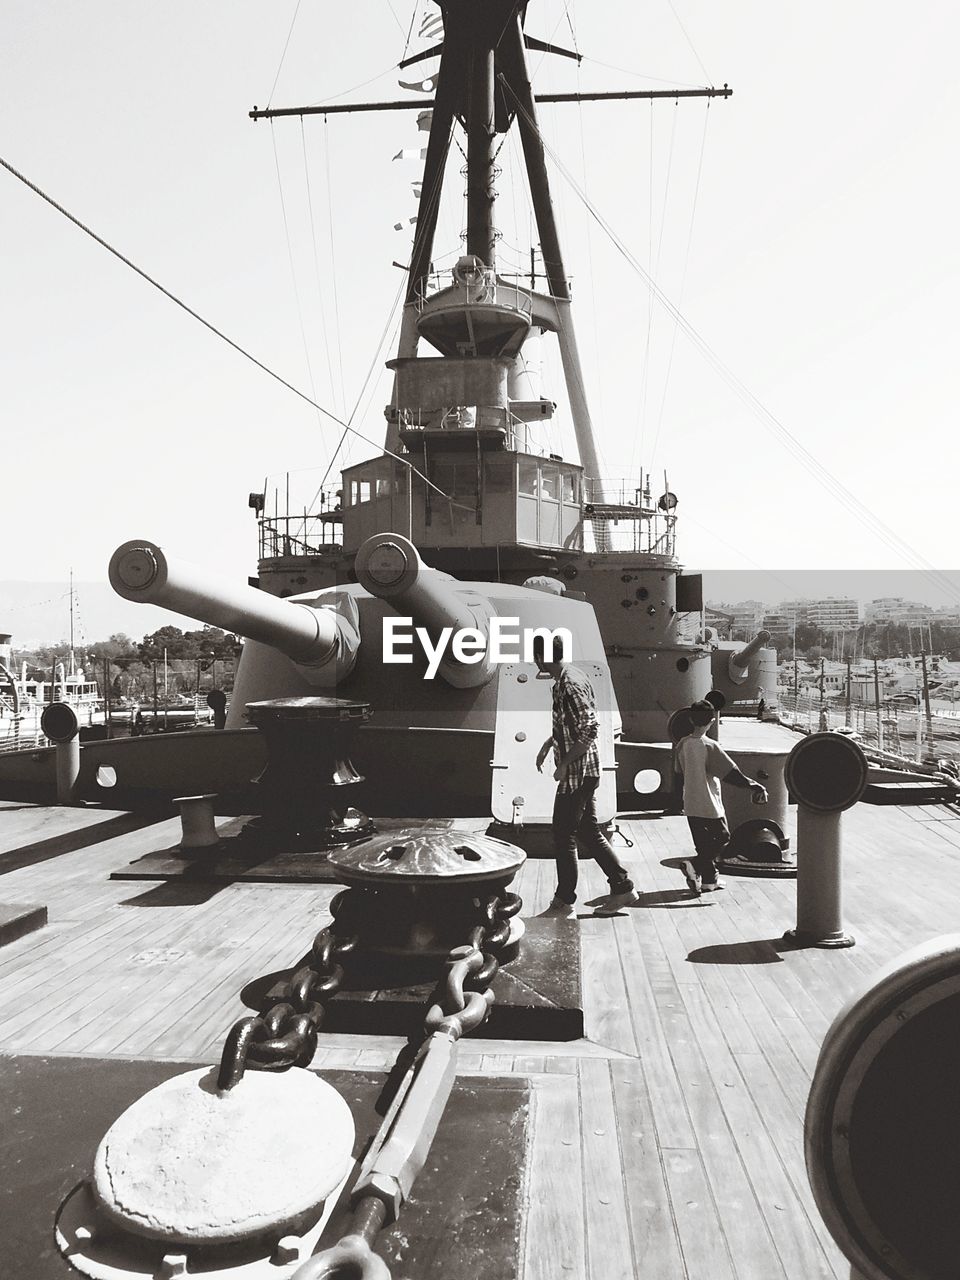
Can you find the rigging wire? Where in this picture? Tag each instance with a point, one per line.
(316, 258)
(640, 75)
(645, 372)
(247, 355)
(793, 446)
(333, 268)
(395, 18)
(283, 55)
(373, 365)
(683, 283)
(333, 97)
(689, 41)
(573, 34)
(409, 36)
(598, 350)
(293, 271)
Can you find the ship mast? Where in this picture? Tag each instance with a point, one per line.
(483, 83)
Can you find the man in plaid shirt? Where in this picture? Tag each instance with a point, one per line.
(577, 760)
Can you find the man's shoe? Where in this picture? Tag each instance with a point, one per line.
(616, 901)
(694, 883)
(559, 910)
(711, 886)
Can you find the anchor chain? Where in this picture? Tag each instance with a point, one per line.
(284, 1033)
(476, 964)
(459, 1004)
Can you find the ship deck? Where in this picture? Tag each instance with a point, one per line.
(666, 1142)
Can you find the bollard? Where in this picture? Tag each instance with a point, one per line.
(305, 788)
(196, 820)
(59, 723)
(826, 773)
(882, 1127)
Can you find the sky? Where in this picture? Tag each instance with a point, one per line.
(804, 229)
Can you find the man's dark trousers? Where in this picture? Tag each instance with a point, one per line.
(575, 817)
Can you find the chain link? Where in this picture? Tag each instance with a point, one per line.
(284, 1033)
(462, 999)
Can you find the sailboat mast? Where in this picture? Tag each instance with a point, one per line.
(71, 624)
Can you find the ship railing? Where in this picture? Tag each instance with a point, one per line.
(492, 288)
(621, 515)
(21, 734)
(468, 417)
(902, 732)
(308, 533)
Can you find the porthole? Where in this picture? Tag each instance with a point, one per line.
(647, 781)
(642, 593)
(106, 776)
(683, 664)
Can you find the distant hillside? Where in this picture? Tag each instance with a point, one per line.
(39, 613)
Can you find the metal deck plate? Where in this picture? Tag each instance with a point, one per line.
(58, 1110)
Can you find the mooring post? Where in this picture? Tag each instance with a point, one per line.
(60, 725)
(826, 773)
(198, 829)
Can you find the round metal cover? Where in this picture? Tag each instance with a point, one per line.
(882, 1129)
(826, 772)
(300, 709)
(59, 722)
(191, 1164)
(413, 855)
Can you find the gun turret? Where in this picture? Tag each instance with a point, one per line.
(738, 663)
(388, 566)
(311, 637)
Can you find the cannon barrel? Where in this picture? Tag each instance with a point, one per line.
(140, 571)
(740, 661)
(389, 566)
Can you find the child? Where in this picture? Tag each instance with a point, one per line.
(703, 764)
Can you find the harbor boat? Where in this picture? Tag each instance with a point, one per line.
(620, 1094)
(24, 697)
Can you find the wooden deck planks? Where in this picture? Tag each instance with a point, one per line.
(608, 1243)
(654, 1239)
(554, 1238)
(603, 982)
(668, 1143)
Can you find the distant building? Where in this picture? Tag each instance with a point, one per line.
(747, 619)
(780, 625)
(795, 611)
(720, 619)
(833, 613)
(898, 610)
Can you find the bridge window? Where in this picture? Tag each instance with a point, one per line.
(529, 472)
